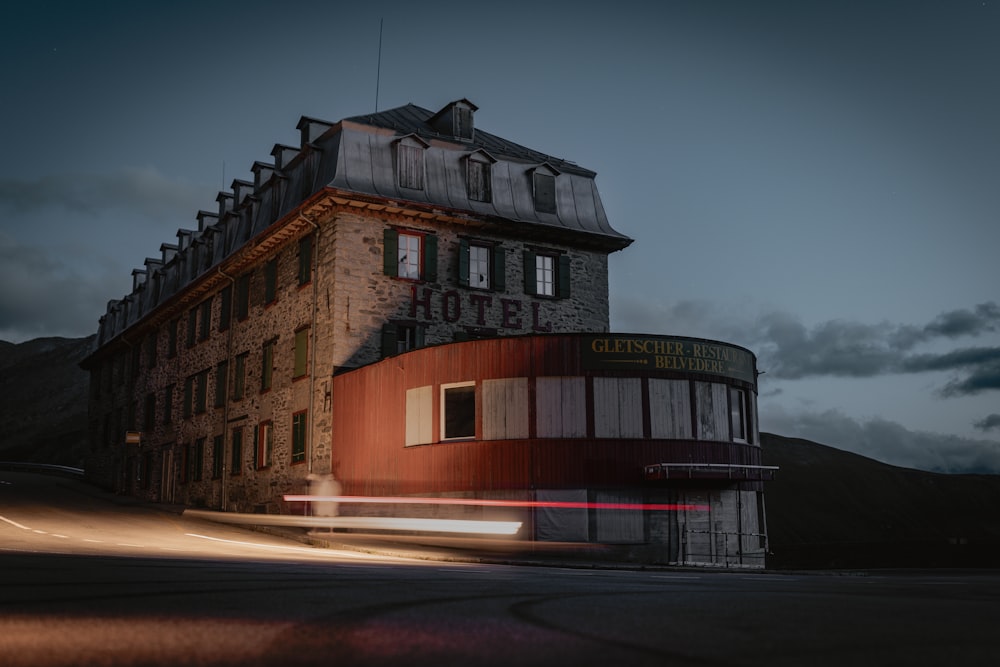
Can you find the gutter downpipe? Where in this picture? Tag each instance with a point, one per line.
(312, 344)
(229, 377)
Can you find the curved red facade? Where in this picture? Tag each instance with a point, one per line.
(687, 403)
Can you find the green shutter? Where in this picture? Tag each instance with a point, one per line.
(563, 277)
(463, 262)
(430, 268)
(388, 340)
(460, 336)
(390, 252)
(418, 336)
(499, 269)
(301, 352)
(530, 277)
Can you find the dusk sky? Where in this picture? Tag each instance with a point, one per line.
(816, 181)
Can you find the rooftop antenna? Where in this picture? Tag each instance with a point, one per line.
(378, 70)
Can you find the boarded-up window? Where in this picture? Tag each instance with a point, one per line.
(617, 407)
(544, 186)
(561, 407)
(419, 415)
(505, 409)
(479, 179)
(669, 409)
(562, 523)
(410, 166)
(712, 410)
(619, 526)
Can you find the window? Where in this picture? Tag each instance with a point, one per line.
(217, 456)
(738, 415)
(243, 297)
(172, 338)
(206, 319)
(151, 349)
(299, 437)
(185, 463)
(188, 407)
(458, 411)
(271, 281)
(305, 260)
(168, 403)
(197, 459)
(239, 376)
(479, 178)
(410, 163)
(192, 330)
(409, 254)
(236, 460)
(546, 273)
(149, 413)
(544, 191)
(201, 392)
(301, 353)
(401, 337)
(226, 307)
(221, 383)
(481, 265)
(264, 444)
(266, 365)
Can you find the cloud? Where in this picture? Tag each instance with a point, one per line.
(988, 422)
(788, 350)
(888, 441)
(40, 296)
(140, 191)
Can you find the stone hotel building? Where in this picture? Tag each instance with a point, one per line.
(420, 308)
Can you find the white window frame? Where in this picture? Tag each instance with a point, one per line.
(545, 274)
(410, 255)
(480, 266)
(738, 408)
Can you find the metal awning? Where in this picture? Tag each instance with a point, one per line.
(661, 471)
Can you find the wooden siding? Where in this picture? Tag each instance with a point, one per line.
(617, 407)
(712, 409)
(419, 413)
(670, 409)
(561, 407)
(505, 409)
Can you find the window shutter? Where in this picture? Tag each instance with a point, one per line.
(563, 277)
(499, 269)
(530, 277)
(418, 336)
(390, 252)
(460, 336)
(463, 262)
(388, 340)
(430, 268)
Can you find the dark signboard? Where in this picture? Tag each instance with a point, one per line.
(668, 353)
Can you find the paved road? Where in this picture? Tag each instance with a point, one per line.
(86, 579)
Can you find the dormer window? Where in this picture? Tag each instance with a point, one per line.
(479, 176)
(455, 120)
(410, 162)
(543, 188)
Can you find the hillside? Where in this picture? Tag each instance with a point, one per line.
(827, 507)
(44, 405)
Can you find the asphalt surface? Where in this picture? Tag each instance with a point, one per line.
(89, 579)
